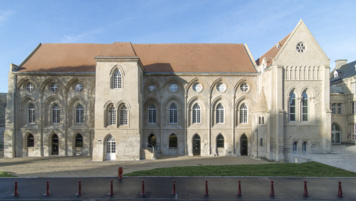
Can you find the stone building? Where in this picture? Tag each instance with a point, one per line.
(343, 102)
(125, 101)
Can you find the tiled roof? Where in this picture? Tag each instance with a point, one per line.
(272, 53)
(154, 57)
(345, 71)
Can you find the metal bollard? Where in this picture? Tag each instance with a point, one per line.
(206, 189)
(143, 188)
(47, 191)
(305, 194)
(79, 189)
(16, 192)
(174, 188)
(111, 193)
(239, 189)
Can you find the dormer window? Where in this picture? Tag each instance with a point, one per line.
(336, 74)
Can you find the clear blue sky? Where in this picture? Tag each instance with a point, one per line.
(261, 24)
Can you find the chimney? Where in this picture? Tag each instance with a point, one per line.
(340, 62)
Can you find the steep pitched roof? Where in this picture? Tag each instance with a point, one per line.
(63, 57)
(272, 53)
(345, 71)
(194, 57)
(154, 57)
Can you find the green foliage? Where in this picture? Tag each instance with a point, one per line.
(310, 169)
(5, 174)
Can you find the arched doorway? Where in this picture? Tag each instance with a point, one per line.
(152, 140)
(335, 134)
(243, 145)
(54, 143)
(196, 145)
(110, 148)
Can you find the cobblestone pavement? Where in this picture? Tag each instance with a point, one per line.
(84, 167)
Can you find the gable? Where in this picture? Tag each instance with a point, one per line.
(291, 55)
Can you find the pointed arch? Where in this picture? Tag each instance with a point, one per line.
(292, 106)
(195, 80)
(220, 141)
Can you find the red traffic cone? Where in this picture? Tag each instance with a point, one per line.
(120, 171)
(339, 192)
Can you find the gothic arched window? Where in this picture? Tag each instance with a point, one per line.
(152, 117)
(55, 114)
(79, 114)
(196, 114)
(116, 79)
(173, 114)
(220, 114)
(243, 114)
(31, 114)
(304, 105)
(291, 106)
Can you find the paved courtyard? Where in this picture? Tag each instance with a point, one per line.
(84, 167)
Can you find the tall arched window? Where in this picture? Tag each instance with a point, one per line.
(55, 114)
(79, 114)
(173, 141)
(304, 106)
(111, 115)
(335, 134)
(30, 140)
(220, 141)
(291, 106)
(220, 114)
(243, 114)
(31, 114)
(78, 140)
(152, 114)
(295, 147)
(116, 79)
(123, 115)
(173, 114)
(196, 114)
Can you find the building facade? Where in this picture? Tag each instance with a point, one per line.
(343, 102)
(125, 101)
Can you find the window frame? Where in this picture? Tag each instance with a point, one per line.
(196, 117)
(111, 115)
(123, 116)
(31, 118)
(220, 114)
(56, 114)
(292, 105)
(116, 80)
(220, 141)
(152, 114)
(304, 107)
(173, 114)
(79, 114)
(243, 114)
(78, 143)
